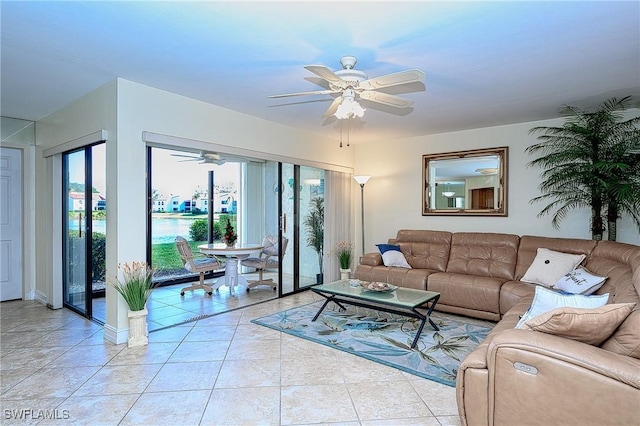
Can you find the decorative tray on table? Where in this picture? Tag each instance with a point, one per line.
(378, 286)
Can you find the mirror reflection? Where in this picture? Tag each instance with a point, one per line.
(465, 182)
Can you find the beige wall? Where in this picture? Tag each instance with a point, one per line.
(393, 195)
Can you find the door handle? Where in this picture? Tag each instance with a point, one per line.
(283, 223)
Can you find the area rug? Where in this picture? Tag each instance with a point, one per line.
(386, 338)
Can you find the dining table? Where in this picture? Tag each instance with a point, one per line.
(233, 255)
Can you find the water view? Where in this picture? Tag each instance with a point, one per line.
(164, 230)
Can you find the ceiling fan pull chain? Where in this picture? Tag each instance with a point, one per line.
(341, 134)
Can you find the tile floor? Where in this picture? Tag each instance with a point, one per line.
(167, 308)
(221, 370)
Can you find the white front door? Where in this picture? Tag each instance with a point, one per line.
(10, 224)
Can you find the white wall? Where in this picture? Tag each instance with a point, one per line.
(126, 109)
(393, 195)
(93, 112)
(143, 108)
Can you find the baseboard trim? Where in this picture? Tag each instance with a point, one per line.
(38, 296)
(114, 335)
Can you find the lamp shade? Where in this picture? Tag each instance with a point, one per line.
(361, 179)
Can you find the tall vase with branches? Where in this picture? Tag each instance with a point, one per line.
(591, 161)
(314, 226)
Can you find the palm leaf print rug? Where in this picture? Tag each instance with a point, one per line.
(386, 338)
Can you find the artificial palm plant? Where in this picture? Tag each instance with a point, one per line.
(314, 224)
(591, 161)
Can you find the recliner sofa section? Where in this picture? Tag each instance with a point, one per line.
(518, 376)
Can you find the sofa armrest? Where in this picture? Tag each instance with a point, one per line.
(540, 379)
(621, 368)
(371, 259)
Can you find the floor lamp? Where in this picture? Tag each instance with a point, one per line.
(362, 180)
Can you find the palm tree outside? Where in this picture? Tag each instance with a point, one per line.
(592, 161)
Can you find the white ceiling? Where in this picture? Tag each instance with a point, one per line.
(487, 63)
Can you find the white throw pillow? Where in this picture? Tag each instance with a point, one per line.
(545, 300)
(580, 281)
(549, 266)
(395, 258)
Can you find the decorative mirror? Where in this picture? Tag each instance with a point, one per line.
(465, 183)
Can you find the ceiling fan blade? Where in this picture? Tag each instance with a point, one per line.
(387, 99)
(333, 107)
(185, 156)
(314, 92)
(327, 74)
(388, 80)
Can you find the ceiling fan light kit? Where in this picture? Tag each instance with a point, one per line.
(349, 107)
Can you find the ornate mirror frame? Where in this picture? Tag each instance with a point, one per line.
(467, 183)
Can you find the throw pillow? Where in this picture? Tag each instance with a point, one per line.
(580, 281)
(625, 340)
(549, 266)
(545, 300)
(386, 247)
(591, 326)
(395, 258)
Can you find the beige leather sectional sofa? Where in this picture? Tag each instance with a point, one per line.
(516, 376)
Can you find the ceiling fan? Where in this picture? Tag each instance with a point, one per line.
(350, 85)
(203, 157)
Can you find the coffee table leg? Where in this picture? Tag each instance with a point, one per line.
(433, 305)
(326, 302)
(415, 339)
(425, 318)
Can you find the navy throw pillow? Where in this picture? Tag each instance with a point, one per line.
(387, 247)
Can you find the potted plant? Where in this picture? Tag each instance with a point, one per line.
(314, 224)
(135, 288)
(344, 253)
(591, 161)
(230, 236)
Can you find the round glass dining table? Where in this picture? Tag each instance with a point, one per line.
(233, 255)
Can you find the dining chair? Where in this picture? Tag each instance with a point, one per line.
(268, 259)
(200, 264)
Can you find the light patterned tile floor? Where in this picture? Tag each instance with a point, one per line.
(222, 370)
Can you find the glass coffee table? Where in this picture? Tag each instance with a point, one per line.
(401, 301)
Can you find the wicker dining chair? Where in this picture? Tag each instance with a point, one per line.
(200, 264)
(268, 259)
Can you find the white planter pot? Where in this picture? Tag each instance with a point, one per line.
(344, 274)
(138, 332)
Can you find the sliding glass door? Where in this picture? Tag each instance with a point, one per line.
(84, 238)
(311, 250)
(301, 201)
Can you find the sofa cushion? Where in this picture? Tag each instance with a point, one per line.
(424, 249)
(550, 265)
(591, 326)
(626, 339)
(409, 278)
(580, 281)
(483, 254)
(467, 291)
(546, 300)
(514, 292)
(620, 263)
